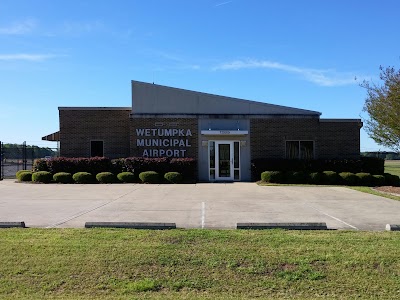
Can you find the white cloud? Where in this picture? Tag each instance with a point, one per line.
(223, 3)
(317, 76)
(26, 57)
(18, 28)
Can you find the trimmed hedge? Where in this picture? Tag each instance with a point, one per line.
(316, 178)
(348, 178)
(392, 179)
(272, 176)
(149, 177)
(330, 177)
(22, 171)
(83, 177)
(42, 176)
(186, 166)
(378, 180)
(24, 176)
(370, 165)
(296, 177)
(365, 179)
(106, 177)
(127, 177)
(173, 177)
(63, 177)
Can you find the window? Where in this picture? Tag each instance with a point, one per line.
(96, 148)
(300, 149)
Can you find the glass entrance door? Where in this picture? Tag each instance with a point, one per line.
(224, 160)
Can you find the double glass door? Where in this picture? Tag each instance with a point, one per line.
(224, 160)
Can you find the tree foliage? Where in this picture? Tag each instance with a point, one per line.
(383, 107)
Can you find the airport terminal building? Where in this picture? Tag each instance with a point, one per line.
(222, 133)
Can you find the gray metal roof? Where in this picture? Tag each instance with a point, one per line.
(148, 98)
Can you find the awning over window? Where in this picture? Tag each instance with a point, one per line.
(54, 137)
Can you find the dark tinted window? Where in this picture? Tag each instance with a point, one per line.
(96, 148)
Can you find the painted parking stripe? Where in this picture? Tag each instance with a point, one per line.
(328, 215)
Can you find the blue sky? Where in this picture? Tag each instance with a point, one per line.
(305, 54)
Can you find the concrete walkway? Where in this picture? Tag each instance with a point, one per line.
(204, 205)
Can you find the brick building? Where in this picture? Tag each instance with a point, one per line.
(224, 134)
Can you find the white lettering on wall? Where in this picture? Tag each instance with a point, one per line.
(162, 138)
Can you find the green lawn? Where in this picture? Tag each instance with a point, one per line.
(392, 167)
(198, 264)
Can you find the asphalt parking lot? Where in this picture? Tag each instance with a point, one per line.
(203, 205)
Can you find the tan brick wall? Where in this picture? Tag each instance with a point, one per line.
(79, 127)
(332, 139)
(164, 123)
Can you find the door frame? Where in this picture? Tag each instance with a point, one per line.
(231, 155)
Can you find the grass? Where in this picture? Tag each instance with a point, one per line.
(392, 167)
(198, 264)
(369, 190)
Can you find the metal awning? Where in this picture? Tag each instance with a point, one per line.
(53, 137)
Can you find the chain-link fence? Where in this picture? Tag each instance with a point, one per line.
(15, 157)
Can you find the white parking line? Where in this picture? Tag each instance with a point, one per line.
(337, 219)
(203, 214)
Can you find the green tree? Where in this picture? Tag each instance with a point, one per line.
(383, 107)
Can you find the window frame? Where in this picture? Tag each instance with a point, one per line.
(299, 141)
(102, 141)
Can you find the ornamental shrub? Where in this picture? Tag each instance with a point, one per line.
(127, 177)
(106, 177)
(42, 176)
(83, 177)
(22, 171)
(25, 176)
(173, 177)
(316, 178)
(295, 177)
(63, 177)
(378, 180)
(365, 179)
(330, 177)
(149, 177)
(272, 176)
(348, 178)
(392, 179)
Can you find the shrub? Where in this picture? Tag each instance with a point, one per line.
(42, 176)
(22, 171)
(174, 177)
(272, 176)
(392, 179)
(83, 177)
(128, 177)
(25, 176)
(365, 179)
(348, 178)
(330, 177)
(149, 177)
(63, 177)
(378, 180)
(296, 177)
(106, 177)
(316, 178)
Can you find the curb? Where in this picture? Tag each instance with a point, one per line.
(132, 225)
(289, 226)
(392, 227)
(12, 224)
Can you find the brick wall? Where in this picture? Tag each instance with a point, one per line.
(79, 127)
(332, 139)
(164, 123)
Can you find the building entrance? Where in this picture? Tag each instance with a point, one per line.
(224, 160)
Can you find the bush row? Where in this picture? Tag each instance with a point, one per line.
(370, 165)
(136, 165)
(102, 177)
(330, 177)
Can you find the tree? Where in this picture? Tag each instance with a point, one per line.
(383, 107)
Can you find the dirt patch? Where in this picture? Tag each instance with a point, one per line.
(389, 189)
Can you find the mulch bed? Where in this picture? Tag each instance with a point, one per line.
(389, 189)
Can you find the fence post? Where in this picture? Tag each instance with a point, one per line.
(24, 155)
